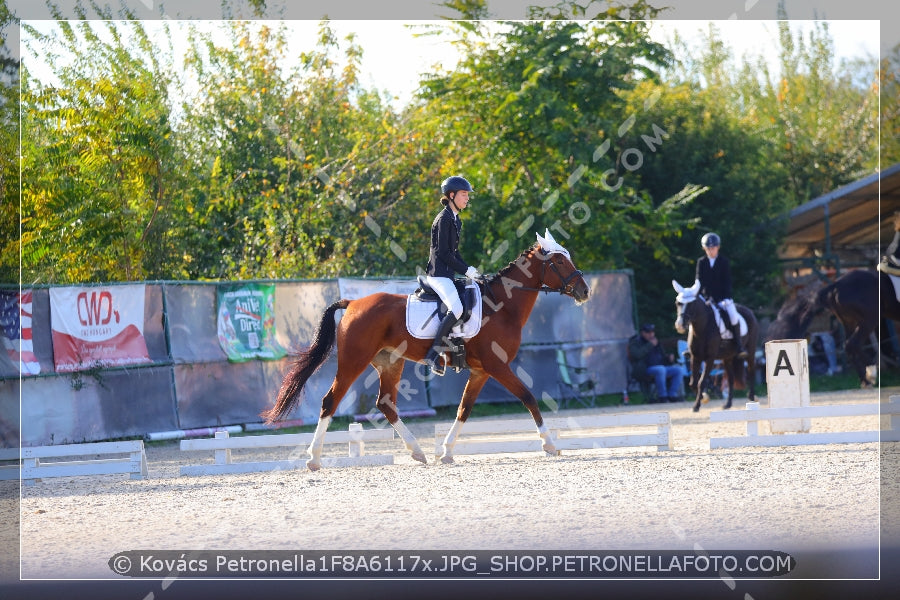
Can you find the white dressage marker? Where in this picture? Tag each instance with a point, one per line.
(135, 464)
(753, 414)
(568, 433)
(223, 444)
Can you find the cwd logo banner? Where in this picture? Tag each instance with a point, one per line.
(97, 326)
(246, 321)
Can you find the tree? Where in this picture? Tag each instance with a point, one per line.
(535, 113)
(282, 156)
(98, 157)
(9, 153)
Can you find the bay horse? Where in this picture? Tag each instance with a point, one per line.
(706, 345)
(373, 331)
(854, 299)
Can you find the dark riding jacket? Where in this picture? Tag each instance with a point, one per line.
(715, 281)
(444, 259)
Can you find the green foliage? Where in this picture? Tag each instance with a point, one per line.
(272, 165)
(98, 158)
(9, 139)
(529, 114)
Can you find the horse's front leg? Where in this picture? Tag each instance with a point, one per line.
(504, 375)
(476, 381)
(699, 371)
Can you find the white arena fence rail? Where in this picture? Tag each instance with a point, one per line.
(569, 433)
(222, 445)
(35, 469)
(752, 414)
(9, 472)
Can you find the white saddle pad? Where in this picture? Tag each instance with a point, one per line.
(726, 332)
(422, 317)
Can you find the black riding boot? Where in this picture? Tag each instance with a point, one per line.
(736, 333)
(433, 358)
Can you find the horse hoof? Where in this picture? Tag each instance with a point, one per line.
(727, 406)
(420, 456)
(447, 459)
(313, 466)
(696, 408)
(705, 398)
(553, 452)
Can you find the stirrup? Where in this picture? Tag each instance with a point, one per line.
(434, 361)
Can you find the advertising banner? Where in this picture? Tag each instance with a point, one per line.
(97, 327)
(15, 330)
(246, 321)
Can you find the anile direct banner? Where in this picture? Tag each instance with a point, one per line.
(97, 327)
(246, 321)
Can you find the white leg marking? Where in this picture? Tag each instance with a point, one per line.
(409, 439)
(450, 441)
(549, 447)
(315, 447)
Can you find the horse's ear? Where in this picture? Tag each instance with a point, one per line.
(677, 286)
(548, 235)
(694, 289)
(541, 240)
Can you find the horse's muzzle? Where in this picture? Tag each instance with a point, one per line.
(581, 294)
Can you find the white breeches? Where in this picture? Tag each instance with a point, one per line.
(728, 306)
(447, 291)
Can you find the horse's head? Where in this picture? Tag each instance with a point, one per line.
(565, 278)
(686, 305)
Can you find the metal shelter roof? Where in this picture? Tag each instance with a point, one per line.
(852, 222)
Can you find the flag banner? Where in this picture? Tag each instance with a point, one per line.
(15, 330)
(246, 321)
(97, 327)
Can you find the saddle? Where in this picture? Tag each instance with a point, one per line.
(425, 310)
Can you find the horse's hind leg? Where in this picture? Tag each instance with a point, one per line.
(476, 381)
(729, 376)
(390, 370)
(349, 368)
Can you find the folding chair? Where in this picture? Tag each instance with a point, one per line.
(573, 388)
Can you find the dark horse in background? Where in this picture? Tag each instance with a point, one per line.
(706, 345)
(853, 298)
(373, 331)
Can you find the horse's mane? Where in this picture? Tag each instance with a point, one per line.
(502, 272)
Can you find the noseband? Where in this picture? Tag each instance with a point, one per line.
(568, 287)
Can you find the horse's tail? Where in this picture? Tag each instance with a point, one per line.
(307, 362)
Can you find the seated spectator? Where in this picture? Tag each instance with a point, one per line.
(649, 362)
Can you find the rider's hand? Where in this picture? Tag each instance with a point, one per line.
(472, 273)
(897, 221)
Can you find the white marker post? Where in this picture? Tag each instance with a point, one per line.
(787, 378)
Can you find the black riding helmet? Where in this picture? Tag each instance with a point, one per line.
(709, 240)
(454, 184)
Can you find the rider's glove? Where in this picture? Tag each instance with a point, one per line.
(472, 273)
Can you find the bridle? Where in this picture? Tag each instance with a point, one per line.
(567, 287)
